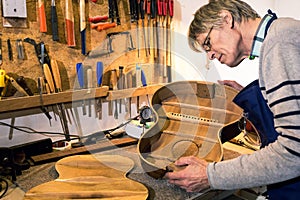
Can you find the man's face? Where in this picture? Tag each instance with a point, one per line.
(223, 43)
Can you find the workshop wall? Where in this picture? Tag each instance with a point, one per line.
(186, 64)
(67, 57)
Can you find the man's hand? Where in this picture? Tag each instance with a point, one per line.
(232, 84)
(193, 177)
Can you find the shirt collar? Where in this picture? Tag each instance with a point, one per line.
(261, 33)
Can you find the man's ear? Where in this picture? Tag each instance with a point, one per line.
(227, 18)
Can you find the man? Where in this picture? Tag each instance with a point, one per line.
(230, 31)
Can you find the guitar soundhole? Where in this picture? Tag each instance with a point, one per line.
(185, 148)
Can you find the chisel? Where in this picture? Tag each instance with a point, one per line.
(82, 27)
(99, 73)
(54, 21)
(70, 24)
(80, 77)
(20, 49)
(49, 77)
(10, 53)
(142, 11)
(42, 15)
(120, 86)
(113, 82)
(1, 59)
(56, 75)
(89, 77)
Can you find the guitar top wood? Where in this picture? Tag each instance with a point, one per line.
(91, 176)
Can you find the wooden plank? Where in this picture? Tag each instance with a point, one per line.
(26, 102)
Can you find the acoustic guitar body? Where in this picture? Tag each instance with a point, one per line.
(191, 118)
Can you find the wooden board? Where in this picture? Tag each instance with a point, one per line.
(91, 176)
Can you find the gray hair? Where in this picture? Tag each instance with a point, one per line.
(209, 16)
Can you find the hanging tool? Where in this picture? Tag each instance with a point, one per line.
(10, 53)
(160, 40)
(138, 84)
(43, 108)
(1, 58)
(148, 11)
(121, 86)
(82, 26)
(137, 4)
(54, 21)
(97, 19)
(112, 9)
(89, 77)
(154, 28)
(43, 57)
(169, 41)
(56, 75)
(132, 10)
(103, 26)
(113, 86)
(100, 23)
(142, 11)
(80, 77)
(42, 15)
(129, 85)
(20, 49)
(70, 24)
(99, 73)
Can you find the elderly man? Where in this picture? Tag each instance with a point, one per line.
(230, 31)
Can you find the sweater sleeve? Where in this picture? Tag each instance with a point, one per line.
(280, 81)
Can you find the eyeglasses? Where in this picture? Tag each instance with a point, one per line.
(206, 44)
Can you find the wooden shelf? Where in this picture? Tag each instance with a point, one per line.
(27, 102)
(30, 102)
(132, 92)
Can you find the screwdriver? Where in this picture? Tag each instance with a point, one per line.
(80, 76)
(99, 73)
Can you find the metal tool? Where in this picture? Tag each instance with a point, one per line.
(54, 21)
(80, 77)
(89, 77)
(113, 9)
(20, 49)
(121, 86)
(99, 73)
(1, 58)
(142, 12)
(82, 26)
(113, 86)
(10, 53)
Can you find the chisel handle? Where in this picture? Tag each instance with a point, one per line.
(80, 75)
(106, 26)
(97, 19)
(99, 72)
(54, 21)
(42, 16)
(70, 24)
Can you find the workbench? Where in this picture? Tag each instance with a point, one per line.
(158, 189)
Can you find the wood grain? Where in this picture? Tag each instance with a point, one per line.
(90, 176)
